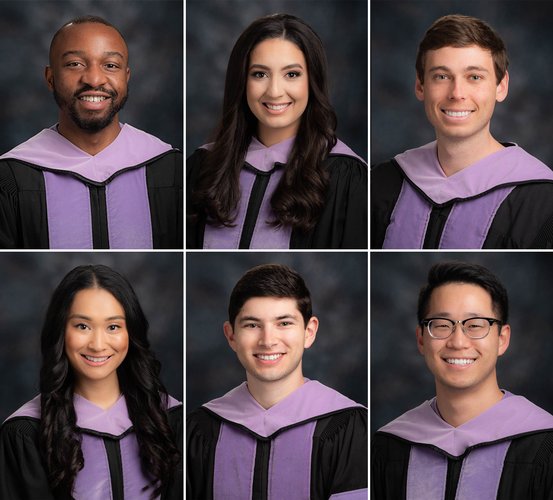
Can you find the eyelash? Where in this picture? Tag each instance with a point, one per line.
(290, 75)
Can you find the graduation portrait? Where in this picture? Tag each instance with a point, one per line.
(460, 375)
(276, 125)
(276, 374)
(91, 154)
(91, 391)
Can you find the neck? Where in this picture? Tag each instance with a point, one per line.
(90, 142)
(459, 406)
(268, 394)
(456, 155)
(103, 393)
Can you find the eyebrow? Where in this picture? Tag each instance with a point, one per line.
(82, 53)
(449, 315)
(289, 66)
(87, 318)
(468, 68)
(277, 318)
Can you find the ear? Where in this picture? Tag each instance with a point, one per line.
(229, 334)
(420, 339)
(502, 88)
(419, 89)
(504, 339)
(310, 332)
(49, 77)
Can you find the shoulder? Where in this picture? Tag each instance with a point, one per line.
(202, 425)
(352, 421)
(388, 171)
(20, 429)
(342, 160)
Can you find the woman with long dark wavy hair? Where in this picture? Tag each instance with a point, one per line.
(103, 426)
(276, 176)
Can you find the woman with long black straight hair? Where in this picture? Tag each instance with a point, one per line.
(103, 426)
(276, 176)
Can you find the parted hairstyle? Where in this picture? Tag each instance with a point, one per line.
(463, 31)
(300, 194)
(270, 280)
(138, 374)
(444, 273)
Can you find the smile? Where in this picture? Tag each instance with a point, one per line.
(268, 357)
(276, 107)
(456, 114)
(93, 98)
(95, 360)
(459, 361)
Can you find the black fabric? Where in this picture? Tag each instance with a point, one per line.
(22, 473)
(254, 205)
(523, 220)
(338, 460)
(261, 470)
(527, 471)
(342, 224)
(23, 211)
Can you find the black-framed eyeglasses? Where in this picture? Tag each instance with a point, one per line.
(474, 328)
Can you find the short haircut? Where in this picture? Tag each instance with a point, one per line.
(463, 31)
(83, 20)
(444, 273)
(270, 280)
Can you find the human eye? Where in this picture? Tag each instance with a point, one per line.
(73, 64)
(80, 326)
(293, 74)
(476, 78)
(440, 77)
(114, 328)
(475, 324)
(250, 325)
(286, 323)
(258, 74)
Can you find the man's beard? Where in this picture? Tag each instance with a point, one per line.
(92, 123)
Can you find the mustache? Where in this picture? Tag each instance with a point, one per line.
(88, 88)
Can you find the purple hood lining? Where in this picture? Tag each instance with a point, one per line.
(507, 167)
(50, 151)
(311, 401)
(511, 417)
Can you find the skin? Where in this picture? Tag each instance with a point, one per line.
(271, 326)
(466, 391)
(277, 75)
(96, 328)
(461, 79)
(89, 59)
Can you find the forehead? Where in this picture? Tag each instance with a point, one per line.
(268, 307)
(95, 301)
(458, 57)
(88, 37)
(460, 297)
(276, 50)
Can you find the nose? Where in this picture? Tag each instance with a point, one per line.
(97, 343)
(274, 89)
(457, 89)
(458, 340)
(94, 76)
(267, 337)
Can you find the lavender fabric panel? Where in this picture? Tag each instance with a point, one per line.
(265, 235)
(29, 409)
(426, 475)
(342, 149)
(290, 464)
(408, 221)
(512, 416)
(229, 237)
(93, 481)
(510, 165)
(133, 477)
(115, 420)
(311, 400)
(128, 211)
(51, 150)
(481, 472)
(234, 464)
(469, 222)
(361, 494)
(68, 212)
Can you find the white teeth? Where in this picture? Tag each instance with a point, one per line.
(96, 360)
(457, 113)
(457, 361)
(269, 357)
(276, 107)
(93, 98)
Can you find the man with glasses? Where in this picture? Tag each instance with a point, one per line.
(473, 440)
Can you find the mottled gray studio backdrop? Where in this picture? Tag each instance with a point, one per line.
(398, 121)
(154, 33)
(27, 283)
(338, 286)
(212, 28)
(399, 377)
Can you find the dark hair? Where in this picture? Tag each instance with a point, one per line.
(83, 20)
(138, 374)
(462, 31)
(270, 280)
(300, 194)
(444, 273)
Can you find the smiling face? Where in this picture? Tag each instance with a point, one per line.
(96, 337)
(459, 362)
(459, 92)
(88, 75)
(269, 337)
(277, 89)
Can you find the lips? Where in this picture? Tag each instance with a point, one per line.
(460, 361)
(95, 360)
(457, 113)
(276, 108)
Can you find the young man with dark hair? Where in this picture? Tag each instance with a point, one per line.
(473, 440)
(466, 189)
(90, 181)
(277, 435)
